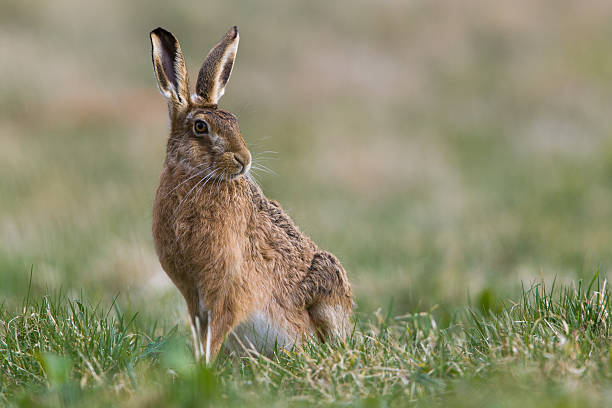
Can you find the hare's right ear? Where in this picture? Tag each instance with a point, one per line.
(169, 67)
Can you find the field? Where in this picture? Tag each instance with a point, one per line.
(455, 156)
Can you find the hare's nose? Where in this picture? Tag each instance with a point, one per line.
(239, 159)
(244, 159)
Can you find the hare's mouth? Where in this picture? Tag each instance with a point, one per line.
(236, 176)
(244, 170)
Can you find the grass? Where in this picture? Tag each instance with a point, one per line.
(550, 347)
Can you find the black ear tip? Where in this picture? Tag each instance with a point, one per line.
(160, 32)
(234, 31)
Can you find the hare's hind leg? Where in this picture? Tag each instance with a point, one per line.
(327, 296)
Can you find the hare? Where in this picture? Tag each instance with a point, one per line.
(245, 270)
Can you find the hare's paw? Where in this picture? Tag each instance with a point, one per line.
(332, 321)
(326, 294)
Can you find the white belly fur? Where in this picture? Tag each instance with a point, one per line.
(258, 333)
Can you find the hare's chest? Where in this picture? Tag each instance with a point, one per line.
(260, 333)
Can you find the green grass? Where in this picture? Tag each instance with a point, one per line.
(549, 347)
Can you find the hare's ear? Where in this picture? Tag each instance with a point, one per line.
(217, 67)
(169, 67)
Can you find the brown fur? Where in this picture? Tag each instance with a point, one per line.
(230, 250)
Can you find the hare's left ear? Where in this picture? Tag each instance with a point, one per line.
(169, 67)
(217, 68)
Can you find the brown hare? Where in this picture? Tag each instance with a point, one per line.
(246, 271)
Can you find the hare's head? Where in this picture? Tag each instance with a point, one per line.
(203, 138)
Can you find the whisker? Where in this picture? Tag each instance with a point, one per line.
(251, 177)
(206, 182)
(264, 154)
(255, 172)
(263, 159)
(267, 168)
(259, 166)
(263, 168)
(188, 193)
(198, 173)
(219, 179)
(213, 175)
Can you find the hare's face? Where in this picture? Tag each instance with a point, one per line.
(202, 137)
(209, 140)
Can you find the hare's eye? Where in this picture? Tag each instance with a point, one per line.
(200, 127)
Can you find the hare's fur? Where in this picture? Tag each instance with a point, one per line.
(245, 270)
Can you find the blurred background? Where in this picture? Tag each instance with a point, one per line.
(445, 151)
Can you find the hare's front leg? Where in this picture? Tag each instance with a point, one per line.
(209, 325)
(327, 295)
(212, 324)
(220, 323)
(200, 330)
(199, 322)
